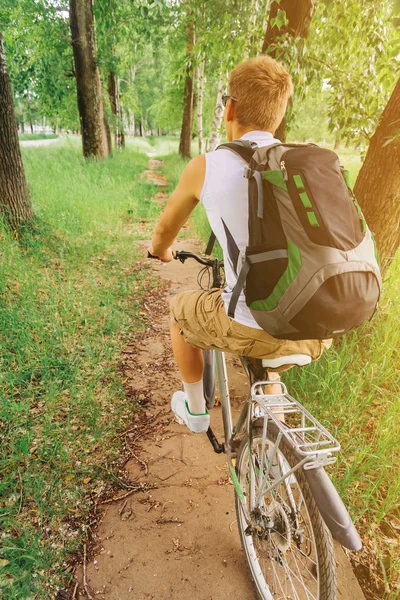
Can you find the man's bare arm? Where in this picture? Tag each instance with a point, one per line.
(179, 207)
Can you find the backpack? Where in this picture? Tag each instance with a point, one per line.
(311, 269)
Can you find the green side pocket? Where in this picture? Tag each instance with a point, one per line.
(289, 275)
(346, 176)
(276, 178)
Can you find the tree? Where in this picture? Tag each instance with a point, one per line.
(287, 18)
(113, 88)
(187, 119)
(14, 195)
(37, 39)
(95, 140)
(200, 97)
(354, 49)
(378, 184)
(215, 135)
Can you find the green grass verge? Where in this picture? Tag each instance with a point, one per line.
(37, 136)
(70, 296)
(162, 146)
(354, 390)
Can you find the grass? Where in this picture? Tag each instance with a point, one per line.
(36, 136)
(354, 390)
(70, 293)
(162, 146)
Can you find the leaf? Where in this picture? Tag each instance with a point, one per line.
(280, 20)
(3, 562)
(86, 480)
(69, 477)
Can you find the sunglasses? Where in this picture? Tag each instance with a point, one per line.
(225, 99)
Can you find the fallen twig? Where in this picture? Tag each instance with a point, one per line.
(84, 574)
(75, 590)
(21, 492)
(164, 521)
(121, 510)
(140, 488)
(168, 477)
(139, 460)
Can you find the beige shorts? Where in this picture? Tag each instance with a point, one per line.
(204, 324)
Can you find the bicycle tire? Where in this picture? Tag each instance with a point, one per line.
(326, 564)
(209, 378)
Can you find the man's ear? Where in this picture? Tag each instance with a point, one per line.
(231, 110)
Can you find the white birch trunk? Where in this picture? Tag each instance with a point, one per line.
(131, 119)
(215, 135)
(252, 28)
(265, 24)
(200, 94)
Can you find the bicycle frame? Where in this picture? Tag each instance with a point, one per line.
(312, 454)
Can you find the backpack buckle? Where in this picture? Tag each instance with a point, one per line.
(248, 173)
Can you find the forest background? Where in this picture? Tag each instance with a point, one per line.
(149, 78)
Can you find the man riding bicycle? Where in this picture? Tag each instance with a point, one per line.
(259, 90)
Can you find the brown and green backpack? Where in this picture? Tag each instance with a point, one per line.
(311, 269)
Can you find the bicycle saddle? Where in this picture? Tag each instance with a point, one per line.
(293, 359)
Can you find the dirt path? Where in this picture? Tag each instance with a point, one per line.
(35, 143)
(178, 541)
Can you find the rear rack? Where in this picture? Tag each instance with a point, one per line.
(303, 432)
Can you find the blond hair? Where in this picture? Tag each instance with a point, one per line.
(262, 88)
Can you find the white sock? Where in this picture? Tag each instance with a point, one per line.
(195, 397)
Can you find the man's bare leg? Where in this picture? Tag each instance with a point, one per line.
(191, 365)
(189, 359)
(275, 389)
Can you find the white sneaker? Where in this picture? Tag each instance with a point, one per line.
(196, 423)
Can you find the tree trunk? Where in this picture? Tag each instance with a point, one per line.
(215, 134)
(187, 120)
(200, 95)
(106, 133)
(378, 183)
(90, 101)
(131, 122)
(120, 117)
(194, 105)
(15, 203)
(298, 16)
(116, 109)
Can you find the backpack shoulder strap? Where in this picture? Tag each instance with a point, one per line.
(210, 244)
(244, 148)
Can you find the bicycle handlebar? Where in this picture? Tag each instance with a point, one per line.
(183, 255)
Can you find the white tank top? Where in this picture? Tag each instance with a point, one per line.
(225, 199)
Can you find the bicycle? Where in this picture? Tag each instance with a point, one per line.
(287, 508)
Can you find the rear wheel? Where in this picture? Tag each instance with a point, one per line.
(288, 548)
